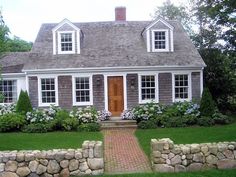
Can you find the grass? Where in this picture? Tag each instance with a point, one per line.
(187, 135)
(45, 141)
(210, 173)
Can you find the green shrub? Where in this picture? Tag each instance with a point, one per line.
(221, 119)
(60, 116)
(85, 115)
(89, 127)
(11, 122)
(37, 128)
(205, 121)
(207, 105)
(23, 104)
(176, 121)
(69, 124)
(147, 124)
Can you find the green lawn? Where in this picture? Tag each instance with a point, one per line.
(187, 135)
(211, 173)
(45, 141)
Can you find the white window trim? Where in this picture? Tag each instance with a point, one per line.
(156, 100)
(167, 41)
(40, 103)
(189, 86)
(89, 103)
(59, 42)
(17, 90)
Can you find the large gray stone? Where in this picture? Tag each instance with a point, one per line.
(41, 169)
(83, 166)
(33, 165)
(98, 150)
(222, 147)
(180, 168)
(195, 148)
(23, 171)
(64, 163)
(176, 160)
(91, 153)
(163, 168)
(33, 175)
(20, 157)
(98, 172)
(199, 157)
(29, 157)
(159, 160)
(185, 150)
(211, 159)
(76, 173)
(73, 165)
(11, 166)
(59, 156)
(78, 154)
(220, 155)
(226, 164)
(2, 166)
(228, 154)
(96, 163)
(213, 149)
(205, 149)
(156, 154)
(53, 167)
(44, 162)
(8, 174)
(194, 167)
(70, 154)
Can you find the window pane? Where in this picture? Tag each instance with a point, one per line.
(148, 87)
(160, 40)
(181, 86)
(9, 90)
(82, 89)
(48, 90)
(66, 42)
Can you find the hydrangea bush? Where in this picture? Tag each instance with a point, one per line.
(85, 115)
(104, 115)
(127, 114)
(7, 108)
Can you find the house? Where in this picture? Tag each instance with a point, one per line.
(111, 65)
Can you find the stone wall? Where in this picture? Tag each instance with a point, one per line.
(54, 163)
(168, 157)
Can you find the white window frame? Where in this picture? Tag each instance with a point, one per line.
(59, 42)
(156, 100)
(41, 104)
(166, 41)
(189, 87)
(89, 103)
(17, 91)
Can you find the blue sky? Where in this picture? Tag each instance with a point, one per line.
(24, 17)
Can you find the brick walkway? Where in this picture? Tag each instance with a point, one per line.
(123, 153)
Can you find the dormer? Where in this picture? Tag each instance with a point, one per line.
(66, 38)
(159, 36)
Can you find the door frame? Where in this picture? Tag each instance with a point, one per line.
(106, 88)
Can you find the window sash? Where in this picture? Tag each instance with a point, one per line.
(66, 42)
(48, 90)
(82, 90)
(9, 90)
(148, 87)
(181, 86)
(160, 40)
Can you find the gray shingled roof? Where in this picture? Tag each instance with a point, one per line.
(106, 44)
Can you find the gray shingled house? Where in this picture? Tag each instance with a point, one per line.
(111, 65)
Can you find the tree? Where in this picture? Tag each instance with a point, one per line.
(19, 45)
(171, 12)
(207, 105)
(23, 104)
(4, 35)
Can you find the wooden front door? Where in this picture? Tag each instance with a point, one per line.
(115, 95)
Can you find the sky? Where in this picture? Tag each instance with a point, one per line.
(24, 17)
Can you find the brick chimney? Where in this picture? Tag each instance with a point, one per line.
(120, 14)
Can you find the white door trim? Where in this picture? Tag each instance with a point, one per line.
(106, 88)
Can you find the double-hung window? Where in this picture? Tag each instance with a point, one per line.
(181, 87)
(160, 40)
(66, 42)
(8, 89)
(82, 90)
(48, 91)
(147, 88)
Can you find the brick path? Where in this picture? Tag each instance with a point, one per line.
(123, 153)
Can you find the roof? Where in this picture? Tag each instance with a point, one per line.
(106, 44)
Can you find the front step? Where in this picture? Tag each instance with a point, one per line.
(118, 123)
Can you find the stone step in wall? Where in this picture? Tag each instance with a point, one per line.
(168, 157)
(54, 163)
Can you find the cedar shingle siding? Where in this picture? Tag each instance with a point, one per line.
(65, 91)
(132, 91)
(196, 85)
(165, 88)
(33, 90)
(98, 92)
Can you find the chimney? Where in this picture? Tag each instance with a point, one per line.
(120, 14)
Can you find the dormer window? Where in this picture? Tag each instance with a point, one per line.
(66, 42)
(160, 41)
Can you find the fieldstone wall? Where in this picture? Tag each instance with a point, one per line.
(54, 163)
(168, 157)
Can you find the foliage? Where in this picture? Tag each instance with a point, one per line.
(127, 114)
(85, 115)
(207, 105)
(37, 128)
(70, 124)
(104, 115)
(60, 116)
(4, 37)
(220, 76)
(18, 45)
(205, 121)
(38, 116)
(7, 108)
(147, 111)
(11, 122)
(219, 118)
(147, 124)
(89, 127)
(23, 104)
